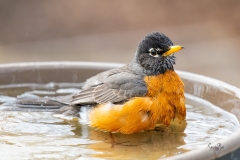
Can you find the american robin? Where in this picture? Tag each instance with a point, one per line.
(135, 97)
(139, 95)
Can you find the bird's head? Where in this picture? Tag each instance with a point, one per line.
(155, 53)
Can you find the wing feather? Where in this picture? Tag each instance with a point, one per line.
(113, 86)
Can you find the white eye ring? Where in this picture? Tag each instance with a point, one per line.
(153, 55)
(154, 52)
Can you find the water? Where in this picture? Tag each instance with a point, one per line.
(42, 135)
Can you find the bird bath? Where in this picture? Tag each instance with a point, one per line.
(41, 135)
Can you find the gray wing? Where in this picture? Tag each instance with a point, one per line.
(114, 86)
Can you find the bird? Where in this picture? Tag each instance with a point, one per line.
(137, 96)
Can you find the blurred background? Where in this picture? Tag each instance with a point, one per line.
(109, 31)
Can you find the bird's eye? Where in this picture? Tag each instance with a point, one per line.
(154, 52)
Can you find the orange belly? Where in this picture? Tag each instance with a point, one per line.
(163, 102)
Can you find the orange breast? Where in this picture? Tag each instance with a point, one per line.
(163, 102)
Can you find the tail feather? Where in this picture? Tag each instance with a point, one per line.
(59, 105)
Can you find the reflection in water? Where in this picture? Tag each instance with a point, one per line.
(41, 135)
(144, 145)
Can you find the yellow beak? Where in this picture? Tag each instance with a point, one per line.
(172, 50)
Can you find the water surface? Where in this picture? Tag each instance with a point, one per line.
(43, 135)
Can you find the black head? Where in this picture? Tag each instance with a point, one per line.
(155, 53)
